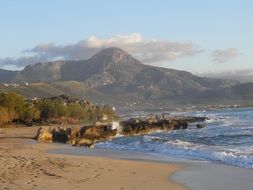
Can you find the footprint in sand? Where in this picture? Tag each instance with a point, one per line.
(84, 180)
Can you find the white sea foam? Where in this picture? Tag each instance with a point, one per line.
(183, 149)
(116, 125)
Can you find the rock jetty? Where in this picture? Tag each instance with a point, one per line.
(90, 134)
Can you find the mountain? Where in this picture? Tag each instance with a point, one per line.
(6, 76)
(112, 75)
(40, 72)
(97, 70)
(241, 92)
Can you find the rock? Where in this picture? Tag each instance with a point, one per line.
(84, 142)
(131, 127)
(72, 135)
(84, 136)
(60, 134)
(66, 135)
(152, 118)
(199, 126)
(90, 134)
(195, 119)
(179, 124)
(100, 132)
(44, 135)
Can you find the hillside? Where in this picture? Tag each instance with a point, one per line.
(42, 90)
(7, 76)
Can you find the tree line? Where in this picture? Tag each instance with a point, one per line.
(15, 109)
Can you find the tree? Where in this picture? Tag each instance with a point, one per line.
(108, 110)
(13, 108)
(30, 113)
(4, 116)
(13, 103)
(76, 110)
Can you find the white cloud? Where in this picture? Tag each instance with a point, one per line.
(147, 51)
(221, 56)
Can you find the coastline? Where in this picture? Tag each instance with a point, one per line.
(62, 166)
(194, 174)
(26, 164)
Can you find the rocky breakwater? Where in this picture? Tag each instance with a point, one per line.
(90, 134)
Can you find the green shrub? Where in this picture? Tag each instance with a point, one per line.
(14, 108)
(4, 116)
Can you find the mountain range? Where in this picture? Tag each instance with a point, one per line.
(114, 76)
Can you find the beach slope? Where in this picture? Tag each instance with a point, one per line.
(25, 164)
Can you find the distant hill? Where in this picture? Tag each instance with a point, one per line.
(113, 75)
(7, 76)
(244, 75)
(42, 90)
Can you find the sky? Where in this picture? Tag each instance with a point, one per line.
(194, 35)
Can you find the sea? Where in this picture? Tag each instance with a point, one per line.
(227, 138)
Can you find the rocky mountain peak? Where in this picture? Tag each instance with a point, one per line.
(113, 55)
(111, 51)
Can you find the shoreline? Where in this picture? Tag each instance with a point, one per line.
(212, 176)
(59, 163)
(194, 174)
(28, 165)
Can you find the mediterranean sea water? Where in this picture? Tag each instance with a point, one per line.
(227, 138)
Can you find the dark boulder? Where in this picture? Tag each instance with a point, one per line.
(199, 126)
(195, 119)
(60, 134)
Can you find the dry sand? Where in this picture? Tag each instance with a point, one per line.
(26, 165)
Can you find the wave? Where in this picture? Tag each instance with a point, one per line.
(228, 138)
(181, 149)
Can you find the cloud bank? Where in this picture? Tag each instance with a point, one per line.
(221, 56)
(147, 51)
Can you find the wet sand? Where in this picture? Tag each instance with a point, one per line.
(25, 164)
(214, 176)
(196, 174)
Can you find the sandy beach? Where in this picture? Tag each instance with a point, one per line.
(25, 164)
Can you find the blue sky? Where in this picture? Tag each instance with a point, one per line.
(218, 33)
